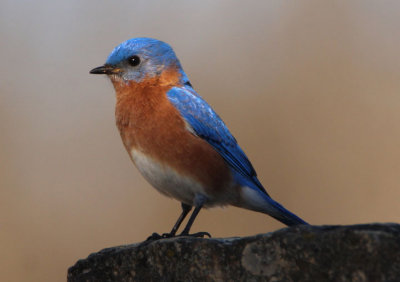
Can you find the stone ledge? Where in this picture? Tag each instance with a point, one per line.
(369, 252)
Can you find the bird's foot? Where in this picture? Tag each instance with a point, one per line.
(196, 235)
(156, 236)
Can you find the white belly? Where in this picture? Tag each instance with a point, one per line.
(165, 179)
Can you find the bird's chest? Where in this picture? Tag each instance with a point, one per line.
(148, 126)
(155, 137)
(174, 160)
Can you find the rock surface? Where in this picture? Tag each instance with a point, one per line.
(304, 253)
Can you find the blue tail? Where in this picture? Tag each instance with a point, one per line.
(258, 200)
(283, 215)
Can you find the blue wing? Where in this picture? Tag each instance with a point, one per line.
(209, 126)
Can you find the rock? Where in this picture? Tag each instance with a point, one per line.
(368, 252)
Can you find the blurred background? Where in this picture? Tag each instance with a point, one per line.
(310, 89)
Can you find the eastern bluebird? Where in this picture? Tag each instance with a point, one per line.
(176, 140)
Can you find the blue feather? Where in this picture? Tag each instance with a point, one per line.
(209, 126)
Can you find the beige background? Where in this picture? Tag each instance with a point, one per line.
(310, 89)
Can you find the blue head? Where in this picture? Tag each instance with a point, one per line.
(137, 58)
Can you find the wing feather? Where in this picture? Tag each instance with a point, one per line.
(210, 127)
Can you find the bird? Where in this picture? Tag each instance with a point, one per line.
(176, 140)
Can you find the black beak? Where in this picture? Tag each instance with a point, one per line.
(106, 69)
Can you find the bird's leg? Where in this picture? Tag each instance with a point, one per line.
(199, 202)
(185, 210)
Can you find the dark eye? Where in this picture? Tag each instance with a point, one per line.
(134, 61)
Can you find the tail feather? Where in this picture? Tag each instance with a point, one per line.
(283, 215)
(258, 201)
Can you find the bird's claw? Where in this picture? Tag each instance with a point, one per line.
(197, 235)
(156, 236)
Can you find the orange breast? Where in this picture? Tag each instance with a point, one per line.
(149, 123)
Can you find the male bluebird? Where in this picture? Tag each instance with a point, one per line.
(176, 140)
